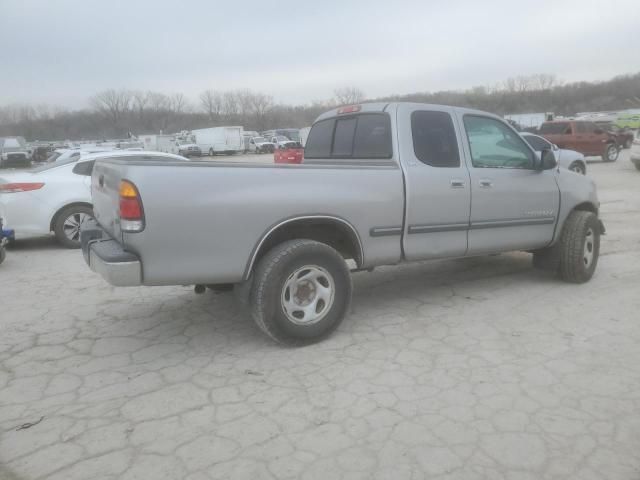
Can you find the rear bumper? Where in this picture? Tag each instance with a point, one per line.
(105, 256)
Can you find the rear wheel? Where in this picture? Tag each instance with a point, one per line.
(68, 223)
(610, 153)
(301, 292)
(3, 254)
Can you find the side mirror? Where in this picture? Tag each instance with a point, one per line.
(556, 147)
(547, 160)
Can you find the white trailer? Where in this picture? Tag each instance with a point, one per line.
(166, 143)
(149, 142)
(219, 140)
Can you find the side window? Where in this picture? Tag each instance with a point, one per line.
(343, 138)
(581, 127)
(84, 168)
(319, 140)
(434, 139)
(494, 145)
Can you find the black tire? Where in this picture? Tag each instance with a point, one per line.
(3, 254)
(77, 211)
(610, 153)
(270, 287)
(580, 230)
(637, 165)
(578, 167)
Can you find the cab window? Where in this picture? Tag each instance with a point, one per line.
(494, 145)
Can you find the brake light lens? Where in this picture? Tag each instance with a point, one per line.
(349, 109)
(20, 187)
(131, 212)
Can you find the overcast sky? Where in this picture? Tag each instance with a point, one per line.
(62, 51)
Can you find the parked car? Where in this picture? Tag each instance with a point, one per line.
(289, 152)
(581, 136)
(624, 135)
(279, 140)
(215, 140)
(64, 155)
(381, 183)
(260, 145)
(14, 152)
(55, 197)
(635, 152)
(292, 134)
(187, 149)
(569, 159)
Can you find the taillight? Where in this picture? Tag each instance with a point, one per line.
(20, 187)
(131, 212)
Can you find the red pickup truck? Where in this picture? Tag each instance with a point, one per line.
(289, 152)
(582, 136)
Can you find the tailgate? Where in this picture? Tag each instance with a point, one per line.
(105, 193)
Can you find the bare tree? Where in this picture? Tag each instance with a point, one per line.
(211, 102)
(348, 95)
(140, 101)
(261, 104)
(178, 102)
(113, 103)
(229, 103)
(159, 102)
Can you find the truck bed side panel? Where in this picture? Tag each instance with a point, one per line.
(203, 221)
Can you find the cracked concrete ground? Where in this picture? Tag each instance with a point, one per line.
(463, 369)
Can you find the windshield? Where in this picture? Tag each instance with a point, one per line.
(53, 156)
(259, 139)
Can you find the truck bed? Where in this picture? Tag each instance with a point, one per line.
(204, 221)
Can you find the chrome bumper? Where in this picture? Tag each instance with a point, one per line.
(106, 257)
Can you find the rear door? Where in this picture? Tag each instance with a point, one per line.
(438, 195)
(513, 206)
(584, 138)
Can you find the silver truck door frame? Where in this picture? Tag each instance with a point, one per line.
(437, 199)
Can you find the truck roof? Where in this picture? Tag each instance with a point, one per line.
(387, 106)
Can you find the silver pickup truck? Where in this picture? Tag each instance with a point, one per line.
(381, 184)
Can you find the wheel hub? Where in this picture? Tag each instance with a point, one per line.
(307, 295)
(588, 251)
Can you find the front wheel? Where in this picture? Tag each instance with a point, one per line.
(579, 247)
(301, 292)
(610, 153)
(578, 167)
(3, 253)
(68, 223)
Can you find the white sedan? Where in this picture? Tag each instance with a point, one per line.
(569, 159)
(56, 197)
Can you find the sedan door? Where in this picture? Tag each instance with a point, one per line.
(438, 196)
(514, 206)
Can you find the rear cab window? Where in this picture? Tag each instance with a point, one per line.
(359, 137)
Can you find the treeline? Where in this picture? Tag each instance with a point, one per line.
(114, 113)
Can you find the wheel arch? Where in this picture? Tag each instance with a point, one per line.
(55, 216)
(336, 232)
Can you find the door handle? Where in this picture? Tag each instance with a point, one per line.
(485, 183)
(457, 183)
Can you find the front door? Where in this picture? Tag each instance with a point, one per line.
(514, 206)
(438, 195)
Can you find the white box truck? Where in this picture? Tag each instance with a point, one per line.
(219, 140)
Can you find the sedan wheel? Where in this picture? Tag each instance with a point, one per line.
(69, 223)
